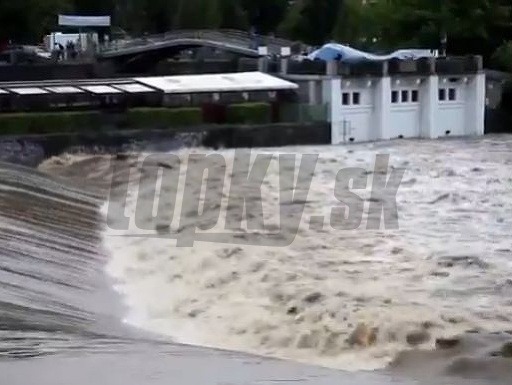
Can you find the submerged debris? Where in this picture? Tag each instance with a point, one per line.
(363, 335)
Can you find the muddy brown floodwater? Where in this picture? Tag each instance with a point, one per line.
(426, 303)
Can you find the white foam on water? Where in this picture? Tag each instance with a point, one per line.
(445, 270)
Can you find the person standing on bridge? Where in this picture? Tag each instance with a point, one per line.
(60, 50)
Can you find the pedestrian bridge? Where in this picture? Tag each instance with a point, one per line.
(171, 43)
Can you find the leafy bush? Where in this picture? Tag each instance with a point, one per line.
(64, 122)
(502, 57)
(48, 122)
(249, 113)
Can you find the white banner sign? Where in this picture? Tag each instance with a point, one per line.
(84, 21)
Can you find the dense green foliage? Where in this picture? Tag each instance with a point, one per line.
(471, 26)
(249, 113)
(135, 118)
(502, 58)
(163, 117)
(48, 122)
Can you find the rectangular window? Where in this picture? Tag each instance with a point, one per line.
(405, 96)
(394, 96)
(442, 94)
(414, 96)
(345, 99)
(356, 98)
(452, 94)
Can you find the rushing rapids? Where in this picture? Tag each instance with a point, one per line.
(427, 300)
(347, 299)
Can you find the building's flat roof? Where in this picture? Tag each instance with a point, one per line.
(101, 89)
(230, 82)
(28, 91)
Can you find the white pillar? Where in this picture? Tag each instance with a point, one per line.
(284, 66)
(312, 92)
(381, 129)
(475, 105)
(332, 68)
(263, 59)
(429, 105)
(285, 55)
(331, 93)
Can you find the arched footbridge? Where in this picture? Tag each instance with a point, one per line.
(172, 43)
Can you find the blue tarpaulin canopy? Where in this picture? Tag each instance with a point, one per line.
(333, 51)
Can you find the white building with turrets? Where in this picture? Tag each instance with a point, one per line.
(427, 98)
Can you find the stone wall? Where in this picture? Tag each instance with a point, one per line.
(30, 150)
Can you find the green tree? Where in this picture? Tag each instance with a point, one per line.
(469, 25)
(232, 14)
(265, 15)
(502, 57)
(94, 7)
(146, 16)
(27, 21)
(197, 14)
(350, 26)
(311, 21)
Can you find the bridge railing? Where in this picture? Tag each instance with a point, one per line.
(270, 41)
(224, 36)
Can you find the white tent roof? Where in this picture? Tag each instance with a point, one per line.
(101, 89)
(231, 82)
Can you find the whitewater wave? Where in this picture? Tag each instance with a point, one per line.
(344, 299)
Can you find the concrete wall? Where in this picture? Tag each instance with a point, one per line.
(270, 135)
(405, 113)
(452, 107)
(404, 106)
(30, 150)
(357, 106)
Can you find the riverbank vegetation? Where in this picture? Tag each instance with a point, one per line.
(138, 118)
